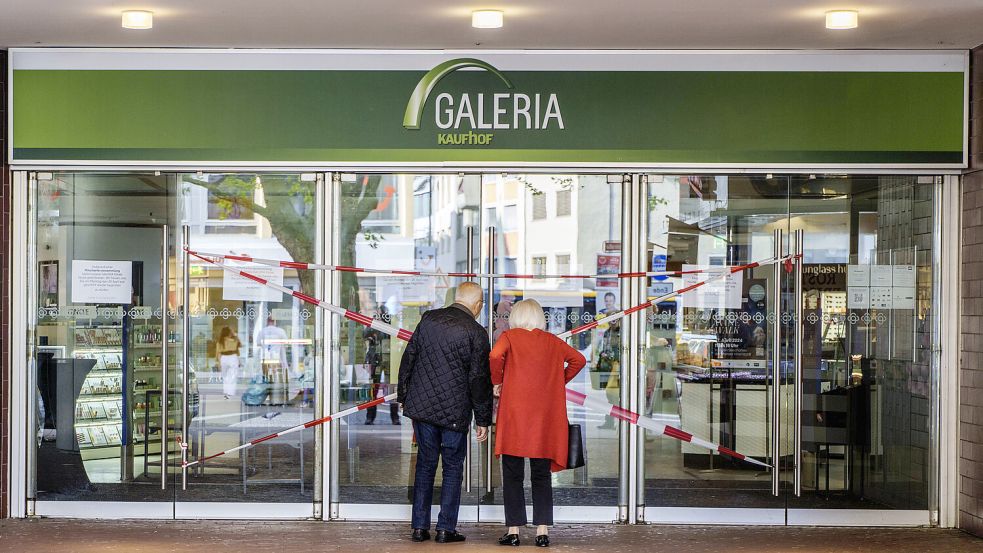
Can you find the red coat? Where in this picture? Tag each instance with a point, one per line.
(532, 411)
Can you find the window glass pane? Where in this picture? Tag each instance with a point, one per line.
(586, 238)
(377, 447)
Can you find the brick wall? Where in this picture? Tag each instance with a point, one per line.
(971, 297)
(4, 274)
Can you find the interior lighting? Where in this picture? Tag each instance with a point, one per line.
(138, 19)
(487, 19)
(842, 19)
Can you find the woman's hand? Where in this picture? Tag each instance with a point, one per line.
(497, 390)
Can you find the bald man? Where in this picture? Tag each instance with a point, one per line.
(443, 379)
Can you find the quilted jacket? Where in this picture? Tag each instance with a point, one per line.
(443, 375)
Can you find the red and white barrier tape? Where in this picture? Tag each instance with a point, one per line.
(573, 396)
(298, 428)
(346, 269)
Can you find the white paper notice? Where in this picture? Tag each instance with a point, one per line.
(903, 298)
(858, 275)
(102, 281)
(237, 288)
(721, 293)
(903, 276)
(858, 297)
(881, 275)
(881, 297)
(405, 288)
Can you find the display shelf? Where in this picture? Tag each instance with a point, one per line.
(99, 407)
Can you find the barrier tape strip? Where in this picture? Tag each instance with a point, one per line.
(347, 269)
(577, 398)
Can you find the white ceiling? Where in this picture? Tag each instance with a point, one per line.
(577, 24)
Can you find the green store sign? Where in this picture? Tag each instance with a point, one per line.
(466, 111)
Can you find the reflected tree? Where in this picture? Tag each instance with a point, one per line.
(287, 204)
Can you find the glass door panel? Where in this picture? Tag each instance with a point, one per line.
(562, 224)
(708, 361)
(866, 361)
(424, 222)
(251, 356)
(101, 242)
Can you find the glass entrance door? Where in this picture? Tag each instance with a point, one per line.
(823, 372)
(248, 362)
(104, 252)
(562, 224)
(713, 363)
(866, 359)
(413, 222)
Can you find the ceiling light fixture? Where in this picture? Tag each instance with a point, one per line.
(487, 19)
(138, 19)
(842, 19)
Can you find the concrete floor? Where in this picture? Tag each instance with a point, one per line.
(73, 536)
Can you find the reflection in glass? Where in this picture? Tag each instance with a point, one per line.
(401, 222)
(566, 224)
(99, 343)
(252, 349)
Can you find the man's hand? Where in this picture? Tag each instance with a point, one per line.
(481, 433)
(497, 390)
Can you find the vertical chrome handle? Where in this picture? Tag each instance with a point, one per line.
(490, 310)
(185, 349)
(164, 329)
(776, 359)
(799, 244)
(470, 268)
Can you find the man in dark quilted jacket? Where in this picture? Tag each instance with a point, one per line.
(443, 379)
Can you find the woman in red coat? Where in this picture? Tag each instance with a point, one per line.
(530, 368)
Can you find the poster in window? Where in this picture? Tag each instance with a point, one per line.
(48, 276)
(608, 264)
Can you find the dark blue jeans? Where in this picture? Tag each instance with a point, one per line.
(432, 444)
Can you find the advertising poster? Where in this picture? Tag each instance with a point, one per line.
(742, 334)
(608, 264)
(659, 261)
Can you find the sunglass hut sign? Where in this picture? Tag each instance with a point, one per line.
(467, 117)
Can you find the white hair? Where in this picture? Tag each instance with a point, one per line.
(527, 314)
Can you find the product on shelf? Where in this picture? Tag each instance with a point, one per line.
(98, 435)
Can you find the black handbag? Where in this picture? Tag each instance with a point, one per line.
(576, 453)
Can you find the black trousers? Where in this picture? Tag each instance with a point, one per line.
(513, 473)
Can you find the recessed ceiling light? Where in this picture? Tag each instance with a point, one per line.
(842, 19)
(138, 19)
(487, 19)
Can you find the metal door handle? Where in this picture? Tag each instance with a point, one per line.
(799, 244)
(776, 360)
(164, 330)
(490, 310)
(470, 268)
(185, 350)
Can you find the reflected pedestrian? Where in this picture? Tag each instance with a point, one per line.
(227, 357)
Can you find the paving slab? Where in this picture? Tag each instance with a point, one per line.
(210, 536)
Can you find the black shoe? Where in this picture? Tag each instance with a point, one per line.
(396, 422)
(444, 536)
(542, 541)
(509, 539)
(369, 422)
(420, 535)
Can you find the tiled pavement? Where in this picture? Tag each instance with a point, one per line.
(74, 536)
